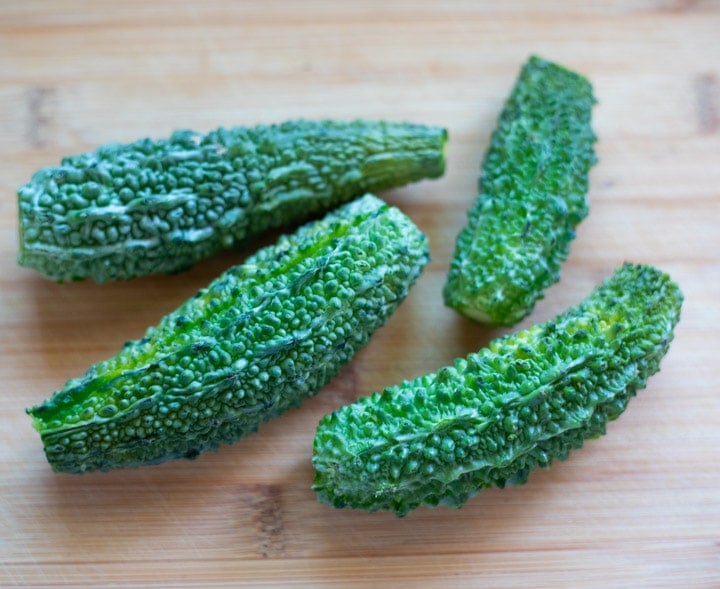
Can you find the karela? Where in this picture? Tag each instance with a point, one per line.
(533, 193)
(159, 206)
(254, 343)
(522, 402)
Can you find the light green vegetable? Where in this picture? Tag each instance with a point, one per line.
(491, 418)
(153, 207)
(533, 193)
(259, 339)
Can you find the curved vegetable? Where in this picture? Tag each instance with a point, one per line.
(533, 193)
(522, 402)
(259, 339)
(153, 207)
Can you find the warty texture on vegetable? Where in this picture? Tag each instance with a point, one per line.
(492, 417)
(254, 343)
(533, 194)
(160, 206)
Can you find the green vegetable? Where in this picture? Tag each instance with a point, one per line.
(533, 193)
(154, 207)
(259, 339)
(491, 418)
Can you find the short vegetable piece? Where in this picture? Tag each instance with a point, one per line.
(259, 339)
(533, 193)
(491, 418)
(153, 207)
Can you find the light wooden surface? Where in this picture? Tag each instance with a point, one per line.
(637, 508)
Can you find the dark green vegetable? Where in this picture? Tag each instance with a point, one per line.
(522, 402)
(154, 207)
(533, 193)
(259, 339)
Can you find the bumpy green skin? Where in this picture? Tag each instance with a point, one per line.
(533, 193)
(259, 339)
(491, 418)
(154, 207)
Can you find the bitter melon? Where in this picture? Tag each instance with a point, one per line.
(522, 402)
(154, 207)
(533, 193)
(259, 339)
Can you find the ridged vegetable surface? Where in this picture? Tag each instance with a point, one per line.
(259, 339)
(533, 193)
(159, 206)
(491, 418)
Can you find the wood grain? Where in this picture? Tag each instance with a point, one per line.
(638, 508)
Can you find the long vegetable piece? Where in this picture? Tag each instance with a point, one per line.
(522, 402)
(259, 339)
(533, 193)
(154, 207)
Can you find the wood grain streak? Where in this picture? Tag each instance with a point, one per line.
(707, 88)
(39, 119)
(265, 503)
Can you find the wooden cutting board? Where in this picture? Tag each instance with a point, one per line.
(638, 508)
